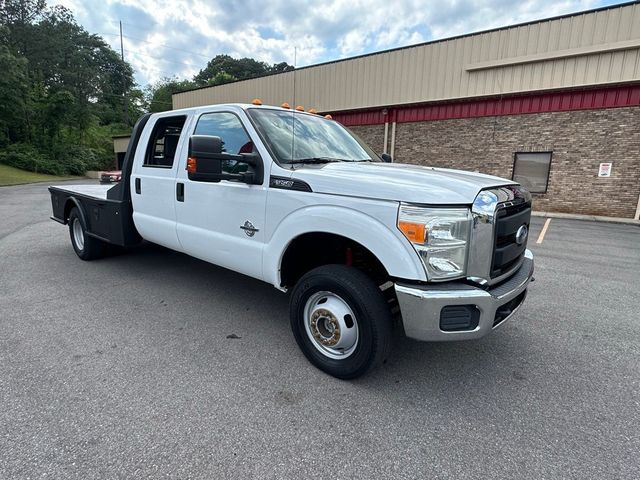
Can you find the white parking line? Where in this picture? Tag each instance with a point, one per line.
(543, 231)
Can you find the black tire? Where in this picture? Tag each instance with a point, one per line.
(92, 248)
(371, 311)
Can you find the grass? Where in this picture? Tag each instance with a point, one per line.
(15, 176)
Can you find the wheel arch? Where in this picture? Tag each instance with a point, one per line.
(330, 248)
(393, 253)
(69, 205)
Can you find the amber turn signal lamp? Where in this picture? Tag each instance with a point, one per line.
(191, 165)
(415, 232)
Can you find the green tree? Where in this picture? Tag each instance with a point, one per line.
(159, 94)
(280, 67)
(239, 69)
(62, 89)
(13, 91)
(19, 16)
(221, 78)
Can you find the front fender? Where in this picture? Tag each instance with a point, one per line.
(387, 244)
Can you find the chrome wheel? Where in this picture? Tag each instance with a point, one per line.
(78, 234)
(331, 325)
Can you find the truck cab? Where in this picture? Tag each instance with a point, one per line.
(296, 200)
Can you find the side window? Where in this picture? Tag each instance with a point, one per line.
(235, 138)
(531, 170)
(164, 142)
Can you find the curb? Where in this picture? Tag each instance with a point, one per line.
(591, 218)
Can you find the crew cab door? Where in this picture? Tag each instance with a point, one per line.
(153, 180)
(222, 221)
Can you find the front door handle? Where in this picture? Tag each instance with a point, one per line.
(138, 187)
(180, 192)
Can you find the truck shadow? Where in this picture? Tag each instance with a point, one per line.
(430, 368)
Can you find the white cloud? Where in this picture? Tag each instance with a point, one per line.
(176, 38)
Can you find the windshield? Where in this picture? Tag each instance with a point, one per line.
(317, 140)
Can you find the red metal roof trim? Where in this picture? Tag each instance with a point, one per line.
(611, 97)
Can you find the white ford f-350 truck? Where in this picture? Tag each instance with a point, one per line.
(298, 201)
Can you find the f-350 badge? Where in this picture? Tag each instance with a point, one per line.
(249, 229)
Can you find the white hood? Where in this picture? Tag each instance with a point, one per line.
(398, 182)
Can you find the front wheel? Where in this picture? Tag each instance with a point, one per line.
(340, 320)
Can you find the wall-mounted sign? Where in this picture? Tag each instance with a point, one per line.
(605, 170)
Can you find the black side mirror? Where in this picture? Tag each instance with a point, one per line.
(204, 146)
(386, 158)
(206, 157)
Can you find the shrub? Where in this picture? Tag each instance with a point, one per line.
(26, 157)
(76, 159)
(59, 160)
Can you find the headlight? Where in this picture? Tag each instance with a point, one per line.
(440, 236)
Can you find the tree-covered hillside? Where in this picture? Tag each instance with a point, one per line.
(64, 91)
(61, 91)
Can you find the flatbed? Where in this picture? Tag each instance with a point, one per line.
(97, 192)
(105, 210)
(108, 220)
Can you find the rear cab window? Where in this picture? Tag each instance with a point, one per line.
(163, 143)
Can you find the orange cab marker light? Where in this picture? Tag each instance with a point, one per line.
(285, 105)
(328, 117)
(256, 101)
(300, 108)
(415, 232)
(313, 110)
(191, 165)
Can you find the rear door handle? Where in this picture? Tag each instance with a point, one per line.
(138, 187)
(180, 192)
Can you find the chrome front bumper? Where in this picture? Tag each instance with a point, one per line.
(421, 306)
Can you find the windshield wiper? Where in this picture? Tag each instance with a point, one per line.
(314, 160)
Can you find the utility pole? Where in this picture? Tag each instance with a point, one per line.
(124, 93)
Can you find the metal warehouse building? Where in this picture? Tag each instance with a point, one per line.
(554, 104)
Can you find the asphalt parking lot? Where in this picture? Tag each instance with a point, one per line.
(122, 368)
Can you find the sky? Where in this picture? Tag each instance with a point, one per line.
(176, 38)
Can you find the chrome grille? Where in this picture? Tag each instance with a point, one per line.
(497, 215)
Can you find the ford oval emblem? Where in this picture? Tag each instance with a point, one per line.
(522, 234)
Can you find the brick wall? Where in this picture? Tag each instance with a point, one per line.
(373, 135)
(580, 140)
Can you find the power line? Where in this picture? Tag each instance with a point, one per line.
(147, 67)
(137, 52)
(172, 48)
(159, 44)
(171, 74)
(131, 24)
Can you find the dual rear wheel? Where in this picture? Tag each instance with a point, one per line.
(85, 246)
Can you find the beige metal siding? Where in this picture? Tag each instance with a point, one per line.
(592, 48)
